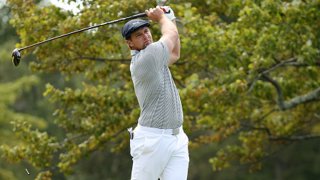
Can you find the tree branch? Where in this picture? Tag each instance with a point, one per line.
(297, 64)
(276, 66)
(178, 82)
(125, 61)
(288, 62)
(280, 100)
(281, 138)
(285, 105)
(268, 70)
(104, 59)
(294, 138)
(265, 129)
(309, 97)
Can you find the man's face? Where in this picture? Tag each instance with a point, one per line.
(140, 39)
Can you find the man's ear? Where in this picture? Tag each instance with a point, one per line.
(130, 43)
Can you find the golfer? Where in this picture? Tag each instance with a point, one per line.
(158, 145)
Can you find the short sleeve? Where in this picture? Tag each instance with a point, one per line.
(160, 53)
(151, 61)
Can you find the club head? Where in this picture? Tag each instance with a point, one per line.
(16, 56)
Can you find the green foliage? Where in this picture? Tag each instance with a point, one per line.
(270, 41)
(39, 146)
(47, 175)
(97, 115)
(248, 77)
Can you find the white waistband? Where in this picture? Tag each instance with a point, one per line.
(160, 131)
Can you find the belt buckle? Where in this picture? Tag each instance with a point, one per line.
(175, 131)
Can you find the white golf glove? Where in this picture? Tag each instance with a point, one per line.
(168, 12)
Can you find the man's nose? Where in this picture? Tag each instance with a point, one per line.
(145, 36)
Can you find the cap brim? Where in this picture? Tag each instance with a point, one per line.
(136, 27)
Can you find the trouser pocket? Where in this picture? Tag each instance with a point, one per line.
(137, 144)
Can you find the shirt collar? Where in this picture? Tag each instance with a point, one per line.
(134, 52)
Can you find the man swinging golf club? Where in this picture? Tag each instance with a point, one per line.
(158, 145)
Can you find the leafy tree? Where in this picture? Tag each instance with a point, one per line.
(256, 76)
(21, 104)
(247, 77)
(11, 101)
(12, 87)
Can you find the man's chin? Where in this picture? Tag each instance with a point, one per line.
(145, 45)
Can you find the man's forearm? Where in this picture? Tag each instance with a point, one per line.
(168, 28)
(175, 54)
(169, 31)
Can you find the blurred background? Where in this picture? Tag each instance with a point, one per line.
(248, 78)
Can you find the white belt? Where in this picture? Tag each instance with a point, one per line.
(160, 131)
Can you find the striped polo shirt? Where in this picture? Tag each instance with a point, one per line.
(158, 97)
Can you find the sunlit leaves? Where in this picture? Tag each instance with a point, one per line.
(233, 56)
(38, 147)
(45, 175)
(240, 60)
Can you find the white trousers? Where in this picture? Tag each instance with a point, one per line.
(156, 153)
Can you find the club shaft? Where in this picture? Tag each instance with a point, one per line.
(139, 15)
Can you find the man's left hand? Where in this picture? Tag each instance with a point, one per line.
(168, 12)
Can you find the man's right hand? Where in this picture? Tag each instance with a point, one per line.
(155, 14)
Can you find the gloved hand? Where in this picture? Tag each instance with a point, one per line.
(168, 12)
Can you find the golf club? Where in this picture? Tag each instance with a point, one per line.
(16, 56)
